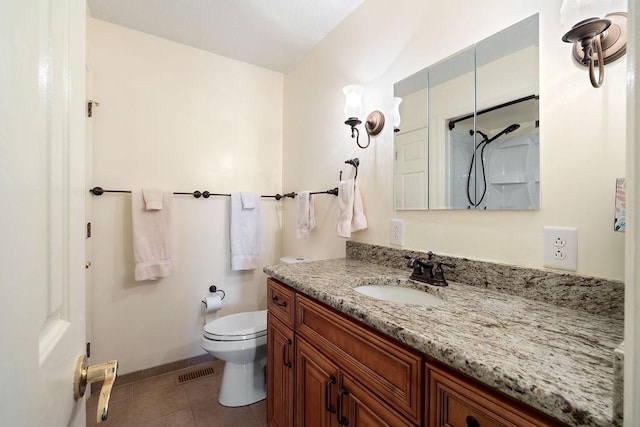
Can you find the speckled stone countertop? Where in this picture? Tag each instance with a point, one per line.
(557, 360)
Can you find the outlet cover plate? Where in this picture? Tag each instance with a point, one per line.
(396, 236)
(560, 247)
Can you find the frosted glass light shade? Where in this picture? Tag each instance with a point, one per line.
(572, 11)
(353, 101)
(396, 112)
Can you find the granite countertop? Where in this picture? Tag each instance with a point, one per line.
(557, 360)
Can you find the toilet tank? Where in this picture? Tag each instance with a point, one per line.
(293, 260)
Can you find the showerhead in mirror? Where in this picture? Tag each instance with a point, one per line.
(511, 128)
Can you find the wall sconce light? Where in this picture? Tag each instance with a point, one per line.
(353, 109)
(598, 42)
(396, 114)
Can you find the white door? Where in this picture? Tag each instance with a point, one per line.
(42, 190)
(411, 169)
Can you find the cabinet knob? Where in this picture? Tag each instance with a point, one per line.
(472, 422)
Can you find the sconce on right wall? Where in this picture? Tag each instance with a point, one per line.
(596, 38)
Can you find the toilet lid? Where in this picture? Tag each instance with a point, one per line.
(237, 327)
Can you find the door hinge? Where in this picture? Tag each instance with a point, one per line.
(88, 349)
(90, 105)
(88, 230)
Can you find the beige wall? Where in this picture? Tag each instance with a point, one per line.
(582, 135)
(178, 118)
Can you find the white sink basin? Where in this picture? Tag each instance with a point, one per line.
(399, 294)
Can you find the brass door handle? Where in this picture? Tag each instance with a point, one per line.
(85, 374)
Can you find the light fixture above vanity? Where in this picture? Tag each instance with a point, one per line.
(594, 38)
(353, 110)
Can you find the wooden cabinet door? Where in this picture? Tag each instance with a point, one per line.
(381, 365)
(280, 373)
(359, 407)
(316, 387)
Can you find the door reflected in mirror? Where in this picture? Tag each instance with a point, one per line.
(469, 133)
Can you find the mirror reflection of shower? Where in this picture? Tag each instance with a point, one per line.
(493, 163)
(481, 146)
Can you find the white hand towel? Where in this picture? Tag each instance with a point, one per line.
(351, 216)
(245, 231)
(345, 208)
(306, 214)
(359, 221)
(152, 199)
(248, 200)
(151, 238)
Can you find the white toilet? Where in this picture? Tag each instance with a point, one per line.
(241, 341)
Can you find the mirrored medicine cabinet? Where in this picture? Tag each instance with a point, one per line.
(468, 136)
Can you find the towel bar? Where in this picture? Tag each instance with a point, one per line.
(99, 191)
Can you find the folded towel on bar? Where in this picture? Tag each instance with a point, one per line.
(249, 200)
(359, 221)
(245, 231)
(151, 237)
(351, 216)
(152, 199)
(306, 214)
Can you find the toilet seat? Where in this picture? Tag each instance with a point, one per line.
(237, 327)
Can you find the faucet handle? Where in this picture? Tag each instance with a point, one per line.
(439, 272)
(412, 260)
(439, 265)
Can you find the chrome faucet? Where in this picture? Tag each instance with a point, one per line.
(428, 271)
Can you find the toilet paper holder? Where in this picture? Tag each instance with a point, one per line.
(213, 289)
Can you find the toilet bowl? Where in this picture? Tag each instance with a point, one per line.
(240, 340)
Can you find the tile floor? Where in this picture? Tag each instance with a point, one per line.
(159, 401)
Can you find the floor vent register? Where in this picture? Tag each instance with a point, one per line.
(194, 374)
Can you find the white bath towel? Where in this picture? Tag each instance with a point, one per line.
(245, 231)
(351, 216)
(306, 214)
(151, 238)
(152, 199)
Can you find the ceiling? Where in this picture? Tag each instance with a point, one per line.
(273, 34)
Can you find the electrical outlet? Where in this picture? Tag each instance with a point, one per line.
(559, 242)
(559, 254)
(397, 232)
(561, 247)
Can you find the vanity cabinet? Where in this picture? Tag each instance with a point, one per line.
(325, 369)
